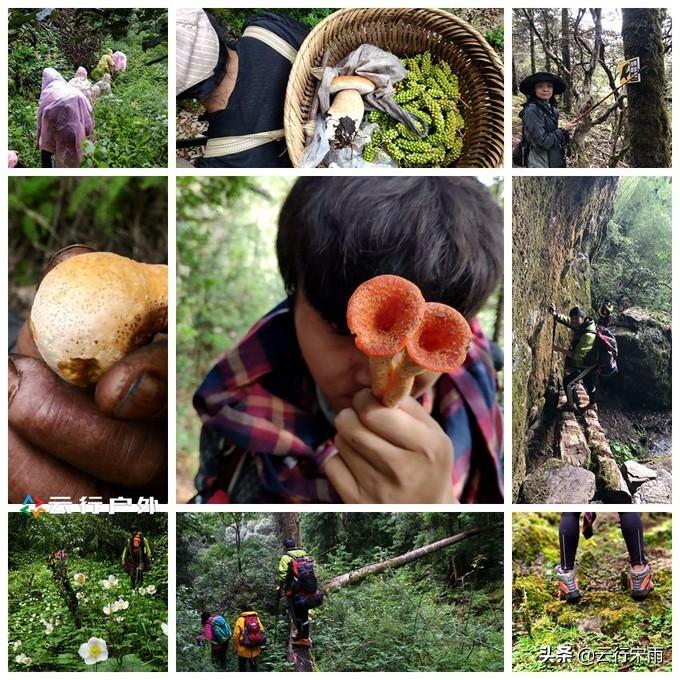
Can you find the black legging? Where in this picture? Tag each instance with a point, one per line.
(631, 528)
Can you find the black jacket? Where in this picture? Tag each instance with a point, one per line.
(540, 122)
(256, 104)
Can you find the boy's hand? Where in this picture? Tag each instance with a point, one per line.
(390, 455)
(552, 309)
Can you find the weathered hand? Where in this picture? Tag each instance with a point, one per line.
(390, 455)
(66, 441)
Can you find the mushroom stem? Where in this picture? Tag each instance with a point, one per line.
(440, 345)
(381, 372)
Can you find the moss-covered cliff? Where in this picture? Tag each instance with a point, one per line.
(558, 225)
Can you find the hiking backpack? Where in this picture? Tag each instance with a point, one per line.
(304, 586)
(220, 629)
(607, 352)
(252, 632)
(520, 154)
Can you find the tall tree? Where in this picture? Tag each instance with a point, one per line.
(290, 526)
(648, 121)
(565, 69)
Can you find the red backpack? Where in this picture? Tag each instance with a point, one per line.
(252, 632)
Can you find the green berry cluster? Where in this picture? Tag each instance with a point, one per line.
(429, 91)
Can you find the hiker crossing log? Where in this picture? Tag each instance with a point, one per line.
(299, 657)
(360, 574)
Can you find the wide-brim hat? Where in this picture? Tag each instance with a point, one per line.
(527, 85)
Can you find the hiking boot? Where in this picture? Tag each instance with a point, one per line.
(567, 408)
(568, 585)
(640, 582)
(302, 642)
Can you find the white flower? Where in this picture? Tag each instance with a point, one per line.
(118, 618)
(151, 589)
(93, 650)
(109, 583)
(16, 644)
(164, 628)
(80, 595)
(108, 609)
(49, 628)
(79, 579)
(121, 604)
(23, 660)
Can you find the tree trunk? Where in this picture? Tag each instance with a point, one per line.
(546, 39)
(360, 574)
(532, 45)
(290, 526)
(515, 79)
(566, 61)
(498, 323)
(648, 123)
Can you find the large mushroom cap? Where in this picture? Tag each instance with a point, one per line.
(383, 312)
(442, 341)
(359, 83)
(92, 309)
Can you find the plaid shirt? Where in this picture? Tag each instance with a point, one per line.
(259, 404)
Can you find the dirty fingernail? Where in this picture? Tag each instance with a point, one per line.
(146, 397)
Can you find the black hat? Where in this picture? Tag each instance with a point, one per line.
(576, 311)
(289, 543)
(527, 85)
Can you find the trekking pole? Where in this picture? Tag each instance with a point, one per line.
(276, 617)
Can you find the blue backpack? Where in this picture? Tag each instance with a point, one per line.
(220, 629)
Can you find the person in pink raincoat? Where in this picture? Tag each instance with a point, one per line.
(64, 121)
(81, 81)
(119, 61)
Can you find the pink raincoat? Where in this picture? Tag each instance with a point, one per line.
(120, 61)
(64, 120)
(81, 81)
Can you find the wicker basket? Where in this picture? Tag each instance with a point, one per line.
(406, 32)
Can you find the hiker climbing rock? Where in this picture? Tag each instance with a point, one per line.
(581, 360)
(639, 577)
(136, 557)
(248, 639)
(298, 580)
(217, 632)
(605, 312)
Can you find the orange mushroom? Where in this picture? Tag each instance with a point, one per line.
(440, 344)
(383, 313)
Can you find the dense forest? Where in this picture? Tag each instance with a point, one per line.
(588, 48)
(67, 587)
(131, 125)
(584, 241)
(606, 618)
(416, 608)
(228, 277)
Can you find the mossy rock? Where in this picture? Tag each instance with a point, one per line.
(531, 592)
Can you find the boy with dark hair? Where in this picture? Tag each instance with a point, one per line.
(581, 357)
(288, 415)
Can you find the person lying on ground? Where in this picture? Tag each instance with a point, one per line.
(248, 638)
(289, 583)
(640, 575)
(119, 61)
(288, 415)
(80, 81)
(121, 425)
(581, 357)
(64, 122)
(241, 84)
(104, 65)
(136, 557)
(540, 121)
(216, 631)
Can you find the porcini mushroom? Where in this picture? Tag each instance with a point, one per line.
(92, 309)
(440, 344)
(345, 114)
(383, 313)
